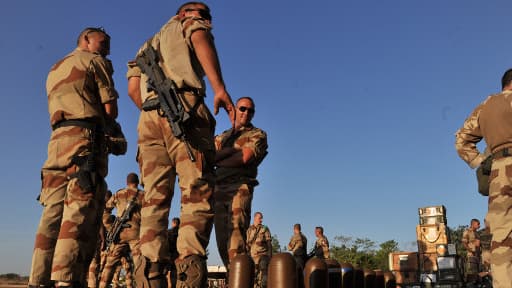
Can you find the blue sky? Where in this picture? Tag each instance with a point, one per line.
(360, 100)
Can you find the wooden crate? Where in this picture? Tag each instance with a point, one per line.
(403, 261)
(406, 277)
(429, 236)
(427, 262)
(432, 211)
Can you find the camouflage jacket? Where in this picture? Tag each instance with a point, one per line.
(259, 241)
(491, 120)
(119, 201)
(298, 244)
(323, 244)
(78, 86)
(179, 63)
(468, 240)
(248, 137)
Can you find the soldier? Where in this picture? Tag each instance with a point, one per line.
(321, 249)
(128, 243)
(471, 241)
(94, 267)
(187, 53)
(259, 245)
(172, 236)
(81, 101)
(298, 245)
(239, 152)
(490, 121)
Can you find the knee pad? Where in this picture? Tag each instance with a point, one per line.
(192, 272)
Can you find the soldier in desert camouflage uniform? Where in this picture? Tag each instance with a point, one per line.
(321, 248)
(471, 241)
(81, 100)
(128, 243)
(298, 246)
(259, 244)
(491, 121)
(187, 54)
(239, 152)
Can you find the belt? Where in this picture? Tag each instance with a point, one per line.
(505, 152)
(87, 124)
(196, 91)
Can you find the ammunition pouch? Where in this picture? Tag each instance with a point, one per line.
(85, 175)
(482, 176)
(116, 141)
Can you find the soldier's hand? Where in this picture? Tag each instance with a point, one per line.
(222, 99)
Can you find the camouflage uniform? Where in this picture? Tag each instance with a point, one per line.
(234, 190)
(128, 237)
(259, 242)
(322, 247)
(77, 87)
(161, 157)
(126, 265)
(473, 253)
(298, 245)
(491, 121)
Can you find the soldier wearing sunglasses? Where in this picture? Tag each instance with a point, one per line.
(239, 152)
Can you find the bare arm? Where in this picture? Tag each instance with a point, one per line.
(111, 109)
(207, 56)
(134, 91)
(237, 159)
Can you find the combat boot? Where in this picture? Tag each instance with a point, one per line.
(192, 272)
(156, 275)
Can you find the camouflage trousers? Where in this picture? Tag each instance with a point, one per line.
(67, 233)
(94, 268)
(128, 276)
(261, 270)
(232, 218)
(161, 158)
(119, 257)
(500, 221)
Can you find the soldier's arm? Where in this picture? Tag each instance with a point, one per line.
(206, 53)
(103, 72)
(465, 241)
(255, 149)
(467, 137)
(133, 76)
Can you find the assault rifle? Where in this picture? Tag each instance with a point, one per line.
(120, 223)
(169, 103)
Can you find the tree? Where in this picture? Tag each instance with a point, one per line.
(455, 235)
(276, 247)
(381, 257)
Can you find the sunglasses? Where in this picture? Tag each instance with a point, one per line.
(205, 14)
(243, 109)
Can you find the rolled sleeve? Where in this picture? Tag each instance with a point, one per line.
(467, 137)
(257, 143)
(192, 24)
(103, 71)
(133, 70)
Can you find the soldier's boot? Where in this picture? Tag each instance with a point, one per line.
(155, 275)
(192, 272)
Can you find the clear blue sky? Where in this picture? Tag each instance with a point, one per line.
(360, 99)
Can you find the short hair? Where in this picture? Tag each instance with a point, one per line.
(258, 213)
(506, 79)
(475, 220)
(176, 220)
(297, 226)
(89, 30)
(132, 178)
(190, 4)
(320, 228)
(246, 98)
